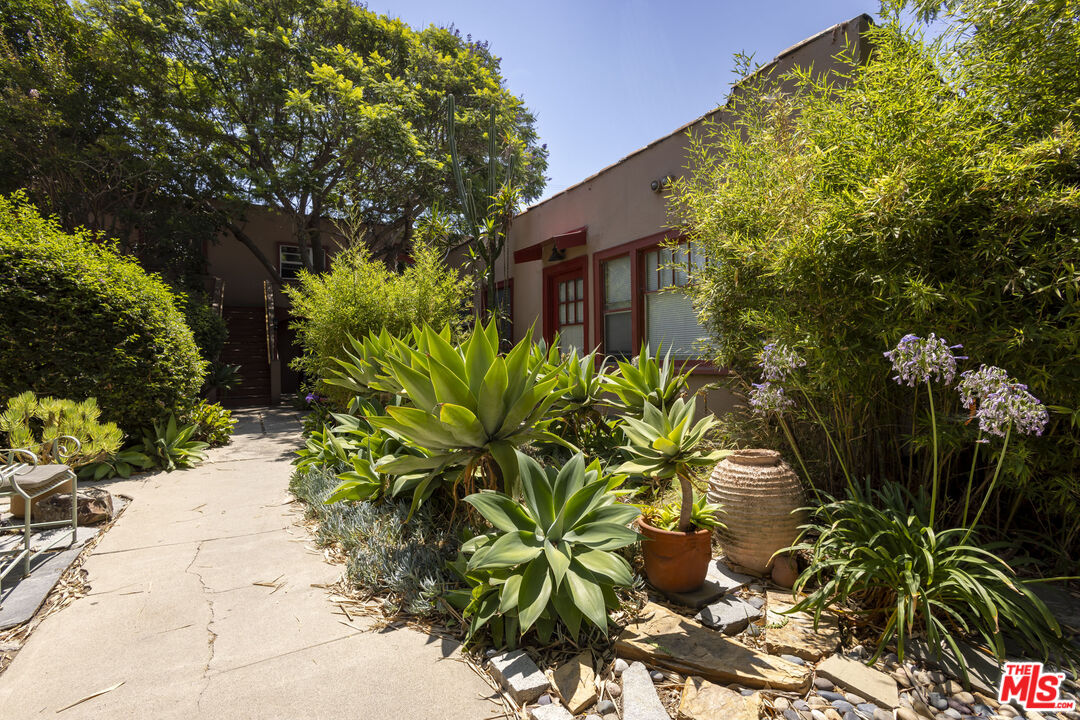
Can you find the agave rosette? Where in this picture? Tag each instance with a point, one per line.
(551, 556)
(470, 407)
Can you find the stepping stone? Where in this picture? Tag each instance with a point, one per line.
(795, 634)
(874, 685)
(639, 698)
(725, 578)
(663, 638)
(549, 712)
(519, 676)
(575, 681)
(699, 598)
(703, 700)
(729, 615)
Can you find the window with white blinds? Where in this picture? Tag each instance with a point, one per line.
(670, 320)
(618, 330)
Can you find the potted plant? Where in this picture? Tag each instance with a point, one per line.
(665, 445)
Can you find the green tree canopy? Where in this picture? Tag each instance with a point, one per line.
(310, 106)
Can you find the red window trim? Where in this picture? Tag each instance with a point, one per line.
(636, 249)
(550, 272)
(499, 285)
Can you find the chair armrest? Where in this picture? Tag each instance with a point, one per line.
(64, 447)
(19, 456)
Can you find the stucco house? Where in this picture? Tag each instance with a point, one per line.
(589, 263)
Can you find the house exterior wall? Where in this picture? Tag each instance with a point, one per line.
(618, 207)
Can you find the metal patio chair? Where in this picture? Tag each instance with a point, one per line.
(23, 475)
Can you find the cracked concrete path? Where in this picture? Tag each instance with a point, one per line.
(174, 613)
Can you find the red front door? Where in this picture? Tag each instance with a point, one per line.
(565, 304)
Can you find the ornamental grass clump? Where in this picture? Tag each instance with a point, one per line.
(883, 548)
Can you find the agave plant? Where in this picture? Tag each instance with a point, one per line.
(471, 408)
(362, 371)
(646, 380)
(170, 445)
(581, 383)
(664, 445)
(549, 559)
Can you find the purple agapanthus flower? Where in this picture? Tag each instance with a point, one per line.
(769, 397)
(999, 401)
(916, 360)
(779, 361)
(312, 398)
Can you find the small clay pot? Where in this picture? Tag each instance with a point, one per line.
(675, 561)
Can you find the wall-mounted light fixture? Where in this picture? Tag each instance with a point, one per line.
(661, 184)
(557, 254)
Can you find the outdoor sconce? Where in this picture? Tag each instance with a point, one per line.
(556, 254)
(661, 184)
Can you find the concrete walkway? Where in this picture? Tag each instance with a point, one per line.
(173, 613)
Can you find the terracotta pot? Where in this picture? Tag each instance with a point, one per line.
(760, 496)
(675, 561)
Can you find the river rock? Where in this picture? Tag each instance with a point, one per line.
(677, 643)
(703, 700)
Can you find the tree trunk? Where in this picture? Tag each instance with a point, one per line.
(246, 240)
(687, 504)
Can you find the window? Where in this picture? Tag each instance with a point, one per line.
(290, 262)
(617, 315)
(642, 298)
(670, 320)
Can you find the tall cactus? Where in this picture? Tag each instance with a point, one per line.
(488, 229)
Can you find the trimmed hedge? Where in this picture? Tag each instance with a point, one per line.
(80, 320)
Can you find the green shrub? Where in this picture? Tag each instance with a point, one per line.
(549, 560)
(37, 423)
(213, 423)
(80, 321)
(360, 295)
(913, 194)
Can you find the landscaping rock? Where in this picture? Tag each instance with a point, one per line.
(795, 634)
(613, 689)
(620, 666)
(874, 685)
(681, 644)
(549, 712)
(699, 598)
(94, 505)
(904, 713)
(823, 684)
(519, 676)
(593, 717)
(657, 676)
(724, 577)
(703, 700)
(640, 701)
(575, 682)
(604, 707)
(793, 659)
(729, 615)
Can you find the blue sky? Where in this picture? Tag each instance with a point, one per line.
(606, 77)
